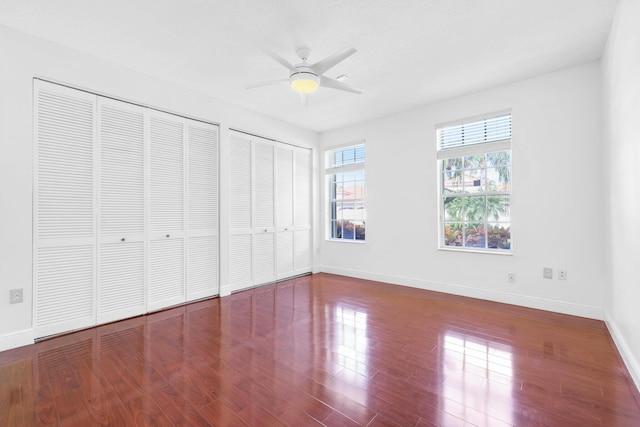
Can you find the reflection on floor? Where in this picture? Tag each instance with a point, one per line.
(325, 350)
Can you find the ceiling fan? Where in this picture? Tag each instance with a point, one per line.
(306, 78)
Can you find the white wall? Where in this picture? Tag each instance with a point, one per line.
(557, 210)
(621, 142)
(25, 57)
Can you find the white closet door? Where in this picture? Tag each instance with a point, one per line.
(240, 212)
(64, 211)
(166, 281)
(302, 211)
(121, 220)
(202, 211)
(284, 211)
(264, 230)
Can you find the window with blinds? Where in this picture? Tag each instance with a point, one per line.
(341, 157)
(492, 129)
(345, 170)
(474, 167)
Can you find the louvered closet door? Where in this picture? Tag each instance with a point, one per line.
(64, 226)
(284, 211)
(302, 211)
(264, 230)
(166, 275)
(240, 212)
(121, 220)
(202, 216)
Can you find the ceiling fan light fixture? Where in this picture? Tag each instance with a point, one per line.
(304, 82)
(306, 78)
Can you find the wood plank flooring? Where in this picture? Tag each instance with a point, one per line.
(325, 350)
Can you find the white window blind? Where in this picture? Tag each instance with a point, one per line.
(349, 157)
(493, 129)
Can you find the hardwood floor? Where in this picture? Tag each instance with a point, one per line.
(325, 350)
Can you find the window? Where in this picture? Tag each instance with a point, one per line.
(344, 168)
(474, 160)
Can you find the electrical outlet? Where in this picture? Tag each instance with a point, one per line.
(15, 296)
(511, 278)
(562, 274)
(547, 273)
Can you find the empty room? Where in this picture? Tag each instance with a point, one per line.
(339, 213)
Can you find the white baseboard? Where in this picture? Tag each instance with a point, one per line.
(632, 363)
(225, 291)
(16, 339)
(468, 291)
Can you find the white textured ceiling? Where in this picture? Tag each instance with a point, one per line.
(410, 52)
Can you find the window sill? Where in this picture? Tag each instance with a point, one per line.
(359, 242)
(476, 251)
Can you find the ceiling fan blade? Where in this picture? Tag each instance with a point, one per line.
(267, 83)
(278, 59)
(321, 66)
(335, 84)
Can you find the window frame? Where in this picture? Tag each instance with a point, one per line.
(331, 200)
(461, 151)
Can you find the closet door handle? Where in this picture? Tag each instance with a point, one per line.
(168, 235)
(123, 239)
